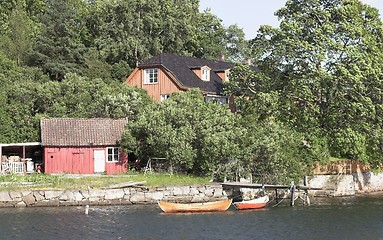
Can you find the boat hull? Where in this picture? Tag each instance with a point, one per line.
(252, 204)
(168, 207)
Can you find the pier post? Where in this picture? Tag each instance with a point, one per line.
(276, 196)
(306, 192)
(292, 194)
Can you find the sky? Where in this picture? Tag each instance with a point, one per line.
(251, 14)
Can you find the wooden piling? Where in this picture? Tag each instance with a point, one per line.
(276, 196)
(292, 194)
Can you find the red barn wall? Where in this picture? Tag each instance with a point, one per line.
(79, 160)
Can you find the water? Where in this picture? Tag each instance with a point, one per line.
(341, 218)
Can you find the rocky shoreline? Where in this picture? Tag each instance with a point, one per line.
(333, 185)
(120, 196)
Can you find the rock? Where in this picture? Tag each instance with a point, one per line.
(96, 193)
(38, 196)
(114, 194)
(183, 190)
(138, 198)
(21, 204)
(29, 199)
(50, 194)
(5, 197)
(16, 196)
(154, 196)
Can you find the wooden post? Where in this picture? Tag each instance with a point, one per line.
(276, 196)
(306, 192)
(292, 194)
(1, 158)
(24, 162)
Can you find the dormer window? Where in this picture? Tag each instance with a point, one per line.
(151, 76)
(227, 74)
(205, 74)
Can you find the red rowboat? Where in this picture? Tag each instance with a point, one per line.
(252, 204)
(168, 207)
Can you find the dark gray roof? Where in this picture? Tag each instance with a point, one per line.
(81, 132)
(181, 67)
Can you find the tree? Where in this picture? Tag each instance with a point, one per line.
(16, 43)
(194, 136)
(237, 47)
(272, 153)
(210, 37)
(6, 8)
(325, 62)
(81, 97)
(58, 48)
(133, 31)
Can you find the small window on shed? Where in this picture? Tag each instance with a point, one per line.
(113, 154)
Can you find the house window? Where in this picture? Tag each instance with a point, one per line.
(113, 154)
(151, 76)
(164, 97)
(218, 99)
(205, 74)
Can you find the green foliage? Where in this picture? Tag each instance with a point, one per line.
(272, 152)
(26, 102)
(58, 49)
(321, 74)
(210, 42)
(237, 47)
(206, 138)
(194, 136)
(16, 42)
(349, 143)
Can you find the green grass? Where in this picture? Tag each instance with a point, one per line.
(66, 182)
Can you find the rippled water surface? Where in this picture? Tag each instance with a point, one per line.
(340, 218)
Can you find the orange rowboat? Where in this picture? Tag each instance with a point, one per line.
(168, 207)
(252, 204)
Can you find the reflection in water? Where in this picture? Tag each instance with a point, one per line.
(337, 218)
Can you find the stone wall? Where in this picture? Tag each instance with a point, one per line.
(346, 184)
(121, 196)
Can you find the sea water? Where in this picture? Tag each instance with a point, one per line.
(358, 217)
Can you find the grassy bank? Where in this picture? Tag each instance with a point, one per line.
(62, 182)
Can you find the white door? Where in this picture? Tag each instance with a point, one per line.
(99, 161)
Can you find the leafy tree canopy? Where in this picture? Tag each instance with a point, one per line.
(322, 68)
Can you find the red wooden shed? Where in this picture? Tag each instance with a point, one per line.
(83, 146)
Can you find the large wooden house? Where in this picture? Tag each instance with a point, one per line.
(165, 74)
(83, 146)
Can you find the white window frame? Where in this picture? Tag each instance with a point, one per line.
(205, 74)
(227, 74)
(114, 155)
(218, 99)
(165, 96)
(151, 76)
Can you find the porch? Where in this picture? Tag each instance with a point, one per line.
(20, 158)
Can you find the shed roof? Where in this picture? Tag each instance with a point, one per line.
(81, 131)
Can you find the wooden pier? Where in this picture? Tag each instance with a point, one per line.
(292, 188)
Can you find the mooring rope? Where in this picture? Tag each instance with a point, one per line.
(279, 202)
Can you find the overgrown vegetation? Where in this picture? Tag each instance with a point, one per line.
(317, 94)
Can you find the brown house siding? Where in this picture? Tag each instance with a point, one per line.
(198, 72)
(222, 75)
(165, 85)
